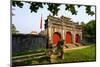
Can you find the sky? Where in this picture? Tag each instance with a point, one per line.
(26, 22)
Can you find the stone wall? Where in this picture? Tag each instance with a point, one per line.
(24, 42)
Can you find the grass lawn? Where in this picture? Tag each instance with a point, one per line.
(81, 55)
(77, 55)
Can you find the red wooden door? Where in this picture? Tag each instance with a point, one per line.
(77, 38)
(68, 37)
(56, 38)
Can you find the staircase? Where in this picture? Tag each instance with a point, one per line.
(69, 46)
(72, 45)
(78, 44)
(35, 57)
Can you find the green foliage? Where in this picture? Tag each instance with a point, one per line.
(17, 3)
(88, 10)
(89, 28)
(35, 6)
(53, 8)
(71, 8)
(13, 29)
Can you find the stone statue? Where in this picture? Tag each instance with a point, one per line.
(60, 49)
(56, 52)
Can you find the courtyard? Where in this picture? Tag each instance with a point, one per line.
(78, 54)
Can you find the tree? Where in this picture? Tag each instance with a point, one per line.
(13, 29)
(53, 8)
(89, 31)
(91, 28)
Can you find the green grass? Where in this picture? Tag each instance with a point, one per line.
(81, 55)
(78, 55)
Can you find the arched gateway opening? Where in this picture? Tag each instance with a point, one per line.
(77, 38)
(56, 38)
(68, 37)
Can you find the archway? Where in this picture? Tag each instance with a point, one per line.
(56, 37)
(68, 37)
(77, 38)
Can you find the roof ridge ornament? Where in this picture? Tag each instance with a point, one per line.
(65, 18)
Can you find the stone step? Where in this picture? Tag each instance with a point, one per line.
(78, 44)
(72, 45)
(28, 57)
(69, 45)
